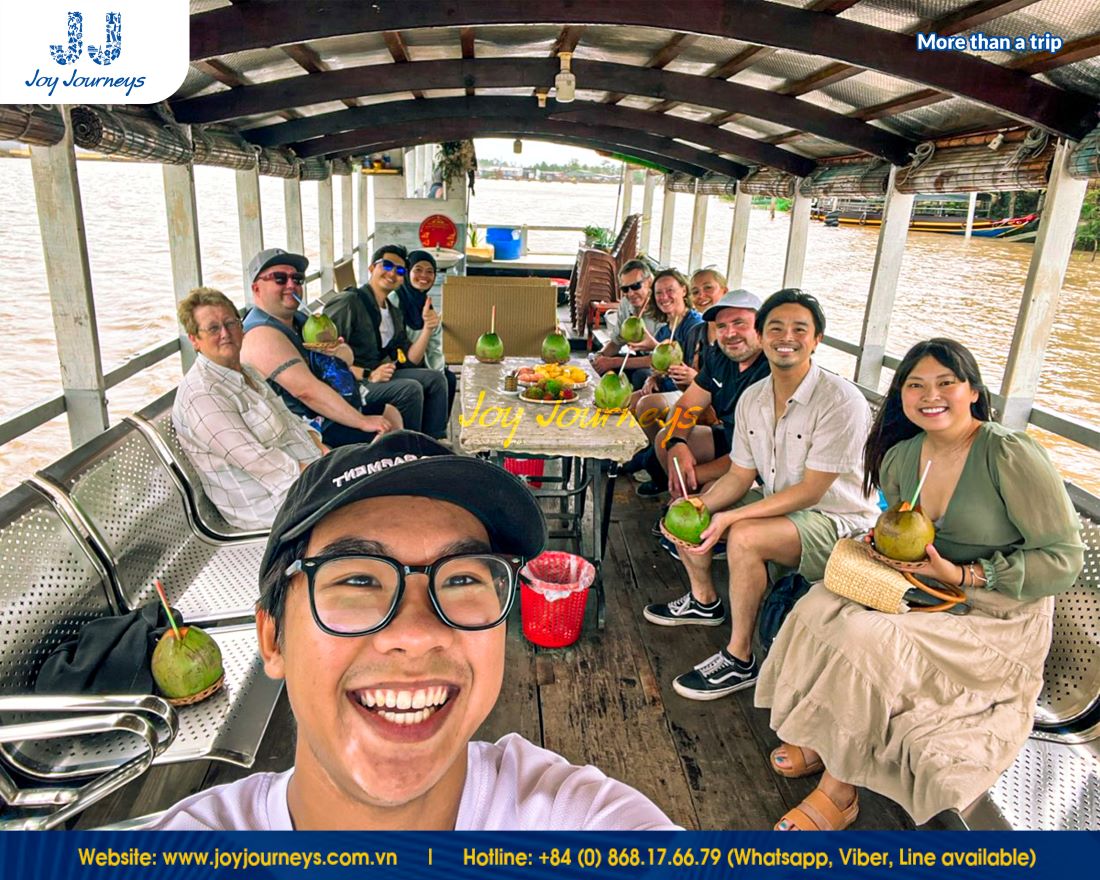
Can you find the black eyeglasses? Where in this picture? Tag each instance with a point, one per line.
(626, 288)
(359, 595)
(216, 329)
(283, 277)
(391, 266)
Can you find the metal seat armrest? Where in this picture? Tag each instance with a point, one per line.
(158, 711)
(68, 802)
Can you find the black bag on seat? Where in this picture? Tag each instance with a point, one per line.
(778, 604)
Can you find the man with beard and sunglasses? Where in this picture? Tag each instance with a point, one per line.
(318, 386)
(374, 328)
(387, 580)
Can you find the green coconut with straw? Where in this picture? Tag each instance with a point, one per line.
(903, 531)
(186, 661)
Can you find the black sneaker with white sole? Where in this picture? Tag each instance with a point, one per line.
(716, 677)
(685, 611)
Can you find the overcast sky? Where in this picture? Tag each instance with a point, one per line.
(535, 152)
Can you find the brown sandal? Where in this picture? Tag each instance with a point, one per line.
(818, 812)
(797, 759)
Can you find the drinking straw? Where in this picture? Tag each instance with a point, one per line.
(167, 610)
(680, 476)
(493, 321)
(920, 485)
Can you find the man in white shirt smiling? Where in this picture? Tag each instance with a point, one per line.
(247, 447)
(387, 578)
(801, 431)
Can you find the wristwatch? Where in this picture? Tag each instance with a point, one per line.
(672, 441)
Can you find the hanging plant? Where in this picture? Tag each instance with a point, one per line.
(456, 159)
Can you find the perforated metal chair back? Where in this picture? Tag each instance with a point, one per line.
(158, 417)
(52, 585)
(1071, 677)
(136, 510)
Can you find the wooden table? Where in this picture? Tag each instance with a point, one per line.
(497, 424)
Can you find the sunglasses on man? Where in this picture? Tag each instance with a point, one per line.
(283, 277)
(391, 266)
(626, 288)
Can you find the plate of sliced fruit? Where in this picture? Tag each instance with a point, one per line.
(564, 373)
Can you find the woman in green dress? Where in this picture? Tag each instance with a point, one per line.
(929, 709)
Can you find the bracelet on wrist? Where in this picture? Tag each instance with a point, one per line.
(674, 441)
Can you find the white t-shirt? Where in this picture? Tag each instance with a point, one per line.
(511, 785)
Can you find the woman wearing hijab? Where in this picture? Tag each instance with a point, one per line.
(411, 297)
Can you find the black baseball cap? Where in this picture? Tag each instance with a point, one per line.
(409, 463)
(275, 257)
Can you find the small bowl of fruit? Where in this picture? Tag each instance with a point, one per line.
(549, 391)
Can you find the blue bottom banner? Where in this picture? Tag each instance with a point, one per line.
(407, 855)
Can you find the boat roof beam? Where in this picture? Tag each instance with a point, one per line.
(315, 137)
(485, 73)
(410, 134)
(241, 27)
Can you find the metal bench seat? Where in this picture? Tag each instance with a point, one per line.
(119, 493)
(85, 746)
(1054, 784)
(155, 422)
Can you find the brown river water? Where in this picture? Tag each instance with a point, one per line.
(969, 290)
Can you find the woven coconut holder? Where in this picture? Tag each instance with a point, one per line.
(200, 696)
(679, 542)
(858, 572)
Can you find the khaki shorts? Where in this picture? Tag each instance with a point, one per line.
(816, 532)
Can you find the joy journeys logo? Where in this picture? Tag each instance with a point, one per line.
(99, 51)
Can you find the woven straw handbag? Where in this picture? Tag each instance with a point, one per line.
(854, 573)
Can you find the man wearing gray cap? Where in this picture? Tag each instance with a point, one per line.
(728, 367)
(316, 385)
(385, 586)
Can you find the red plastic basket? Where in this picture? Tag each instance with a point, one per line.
(526, 467)
(550, 619)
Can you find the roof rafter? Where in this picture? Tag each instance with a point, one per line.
(410, 129)
(377, 116)
(661, 59)
(411, 134)
(517, 72)
(237, 28)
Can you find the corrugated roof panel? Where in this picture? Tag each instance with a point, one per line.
(639, 102)
(512, 40)
(1084, 76)
(198, 83)
(755, 128)
(900, 15)
(954, 114)
(352, 50)
(197, 6)
(444, 93)
(815, 147)
(433, 44)
(868, 88)
(623, 45)
(593, 95)
(692, 112)
(714, 51)
(684, 65)
(786, 66)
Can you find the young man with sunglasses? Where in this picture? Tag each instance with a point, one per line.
(385, 586)
(635, 290)
(374, 328)
(246, 446)
(313, 385)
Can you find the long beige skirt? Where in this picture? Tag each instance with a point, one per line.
(926, 709)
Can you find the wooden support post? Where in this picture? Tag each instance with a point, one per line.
(628, 194)
(366, 221)
(1049, 259)
(884, 283)
(347, 217)
(739, 237)
(971, 205)
(292, 201)
(647, 210)
(325, 226)
(65, 248)
(668, 220)
(183, 241)
(698, 229)
(250, 221)
(797, 239)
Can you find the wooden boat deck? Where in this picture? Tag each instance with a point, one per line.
(607, 701)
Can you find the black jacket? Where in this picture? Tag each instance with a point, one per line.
(357, 317)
